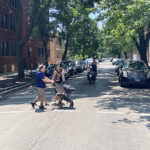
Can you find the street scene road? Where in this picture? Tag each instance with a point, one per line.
(105, 117)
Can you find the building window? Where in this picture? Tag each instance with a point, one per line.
(13, 24)
(40, 52)
(27, 12)
(3, 21)
(57, 54)
(57, 42)
(14, 3)
(29, 51)
(48, 52)
(13, 49)
(4, 49)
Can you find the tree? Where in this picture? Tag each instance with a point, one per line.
(68, 14)
(126, 20)
(44, 31)
(87, 39)
(36, 8)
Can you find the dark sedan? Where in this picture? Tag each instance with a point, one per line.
(78, 66)
(50, 70)
(71, 66)
(135, 73)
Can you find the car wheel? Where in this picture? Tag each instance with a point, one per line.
(147, 83)
(90, 81)
(118, 73)
(122, 82)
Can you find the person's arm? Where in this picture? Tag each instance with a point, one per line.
(63, 71)
(45, 79)
(54, 74)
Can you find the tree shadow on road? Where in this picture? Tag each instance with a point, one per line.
(135, 99)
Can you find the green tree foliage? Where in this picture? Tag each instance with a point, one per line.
(86, 40)
(44, 31)
(128, 21)
(69, 14)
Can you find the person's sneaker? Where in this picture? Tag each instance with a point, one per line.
(33, 104)
(46, 104)
(42, 107)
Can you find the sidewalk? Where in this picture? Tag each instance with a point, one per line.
(5, 75)
(10, 82)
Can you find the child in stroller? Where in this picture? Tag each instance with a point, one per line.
(63, 93)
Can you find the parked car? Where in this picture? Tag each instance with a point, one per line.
(50, 70)
(66, 68)
(111, 59)
(101, 60)
(114, 61)
(135, 73)
(83, 65)
(78, 66)
(86, 65)
(71, 66)
(119, 65)
(89, 61)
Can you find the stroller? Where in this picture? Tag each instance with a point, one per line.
(63, 93)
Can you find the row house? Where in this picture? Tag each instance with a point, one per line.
(33, 50)
(8, 12)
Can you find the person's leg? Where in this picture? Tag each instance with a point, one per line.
(45, 101)
(55, 97)
(42, 94)
(33, 103)
(37, 99)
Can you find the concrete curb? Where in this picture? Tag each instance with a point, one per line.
(4, 93)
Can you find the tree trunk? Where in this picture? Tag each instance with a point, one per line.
(66, 46)
(84, 49)
(143, 43)
(142, 47)
(45, 53)
(125, 55)
(19, 48)
(143, 53)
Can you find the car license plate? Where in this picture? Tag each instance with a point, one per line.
(137, 80)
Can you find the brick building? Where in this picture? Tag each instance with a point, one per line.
(55, 51)
(8, 12)
(32, 51)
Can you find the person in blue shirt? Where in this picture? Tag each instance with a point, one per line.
(41, 79)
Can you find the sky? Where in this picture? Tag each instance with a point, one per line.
(93, 16)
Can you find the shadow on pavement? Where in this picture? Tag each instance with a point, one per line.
(106, 88)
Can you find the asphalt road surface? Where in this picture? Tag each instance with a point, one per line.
(105, 117)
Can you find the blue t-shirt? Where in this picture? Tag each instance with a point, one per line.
(39, 82)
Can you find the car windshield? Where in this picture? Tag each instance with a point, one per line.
(62, 65)
(51, 67)
(137, 66)
(67, 63)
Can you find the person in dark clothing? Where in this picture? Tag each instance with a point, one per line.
(94, 67)
(41, 79)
